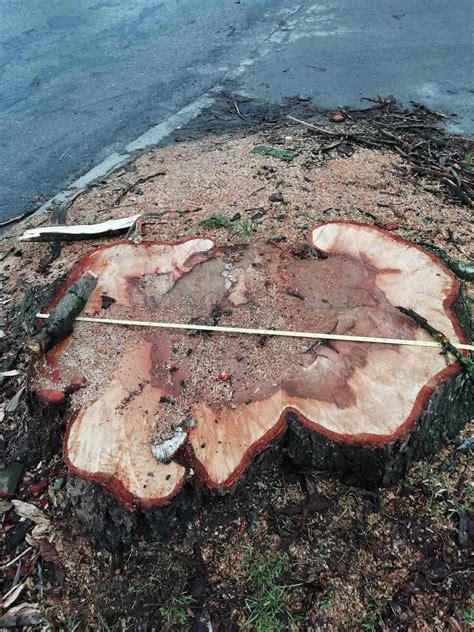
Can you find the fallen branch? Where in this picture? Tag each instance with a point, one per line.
(17, 218)
(79, 231)
(420, 106)
(440, 339)
(141, 180)
(403, 137)
(62, 317)
(465, 199)
(319, 129)
(55, 248)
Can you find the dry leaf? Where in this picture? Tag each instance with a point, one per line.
(5, 505)
(35, 514)
(15, 400)
(41, 530)
(337, 117)
(21, 615)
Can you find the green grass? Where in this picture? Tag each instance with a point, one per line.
(468, 616)
(267, 604)
(446, 502)
(215, 221)
(282, 154)
(470, 491)
(468, 162)
(244, 230)
(371, 624)
(372, 620)
(177, 610)
(410, 234)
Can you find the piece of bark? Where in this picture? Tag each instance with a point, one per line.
(80, 231)
(363, 411)
(61, 319)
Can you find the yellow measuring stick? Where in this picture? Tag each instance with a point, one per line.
(264, 332)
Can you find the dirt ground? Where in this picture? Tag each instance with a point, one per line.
(289, 550)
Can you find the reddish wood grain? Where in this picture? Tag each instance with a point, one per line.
(231, 396)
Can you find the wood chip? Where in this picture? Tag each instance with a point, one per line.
(12, 373)
(80, 231)
(15, 400)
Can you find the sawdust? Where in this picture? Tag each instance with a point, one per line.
(221, 177)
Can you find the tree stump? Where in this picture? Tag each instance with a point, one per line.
(155, 412)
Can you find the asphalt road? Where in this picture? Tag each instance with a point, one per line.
(80, 80)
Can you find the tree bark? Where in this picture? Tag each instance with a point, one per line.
(61, 319)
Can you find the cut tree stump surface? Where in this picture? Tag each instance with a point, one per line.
(151, 407)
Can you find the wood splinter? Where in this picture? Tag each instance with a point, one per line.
(62, 317)
(80, 231)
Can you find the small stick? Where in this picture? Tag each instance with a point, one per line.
(331, 146)
(440, 339)
(130, 187)
(239, 113)
(319, 129)
(15, 559)
(465, 199)
(428, 172)
(17, 218)
(453, 241)
(420, 106)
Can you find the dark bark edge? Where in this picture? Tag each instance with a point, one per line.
(111, 525)
(447, 411)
